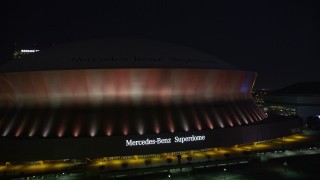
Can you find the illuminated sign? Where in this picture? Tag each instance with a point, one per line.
(158, 141)
(29, 50)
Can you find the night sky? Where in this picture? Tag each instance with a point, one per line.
(277, 39)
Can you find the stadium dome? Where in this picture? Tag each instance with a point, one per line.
(115, 53)
(120, 97)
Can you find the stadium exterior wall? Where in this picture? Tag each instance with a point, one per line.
(80, 148)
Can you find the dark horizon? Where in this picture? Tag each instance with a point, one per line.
(278, 40)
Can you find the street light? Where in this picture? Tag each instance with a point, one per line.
(285, 166)
(224, 174)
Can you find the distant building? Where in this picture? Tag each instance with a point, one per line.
(313, 122)
(301, 99)
(20, 53)
(259, 96)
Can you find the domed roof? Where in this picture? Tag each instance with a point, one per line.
(115, 53)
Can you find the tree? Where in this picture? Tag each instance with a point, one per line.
(208, 157)
(169, 160)
(147, 162)
(124, 165)
(247, 154)
(227, 155)
(179, 158)
(102, 167)
(189, 158)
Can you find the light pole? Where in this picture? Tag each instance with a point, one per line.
(285, 166)
(224, 173)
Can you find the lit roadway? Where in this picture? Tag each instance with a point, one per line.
(265, 151)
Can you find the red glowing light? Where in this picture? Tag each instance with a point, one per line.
(108, 131)
(208, 121)
(33, 128)
(217, 117)
(235, 117)
(156, 125)
(184, 122)
(127, 87)
(76, 130)
(93, 129)
(21, 127)
(92, 133)
(61, 131)
(229, 122)
(76, 133)
(157, 130)
(197, 121)
(248, 115)
(170, 122)
(125, 131)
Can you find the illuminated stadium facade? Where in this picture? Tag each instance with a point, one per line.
(121, 97)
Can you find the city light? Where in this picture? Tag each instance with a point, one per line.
(29, 50)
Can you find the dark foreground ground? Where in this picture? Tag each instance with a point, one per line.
(306, 167)
(299, 167)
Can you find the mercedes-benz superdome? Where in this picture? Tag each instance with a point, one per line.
(119, 97)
